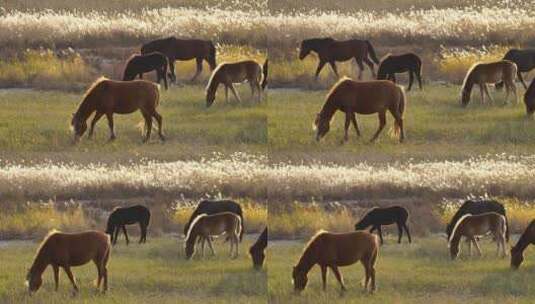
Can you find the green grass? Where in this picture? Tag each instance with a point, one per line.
(436, 128)
(418, 273)
(35, 125)
(154, 272)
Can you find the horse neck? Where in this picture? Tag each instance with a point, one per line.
(522, 243)
(308, 259)
(468, 84)
(41, 261)
(85, 109)
(214, 82)
(329, 108)
(455, 238)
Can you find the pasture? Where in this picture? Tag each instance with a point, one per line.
(418, 273)
(154, 272)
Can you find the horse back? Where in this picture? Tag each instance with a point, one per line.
(76, 249)
(343, 249)
(366, 97)
(124, 97)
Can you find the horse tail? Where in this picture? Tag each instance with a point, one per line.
(371, 50)
(264, 75)
(401, 110)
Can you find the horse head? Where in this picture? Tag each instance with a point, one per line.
(300, 279)
(79, 126)
(33, 281)
(322, 126)
(516, 258)
(304, 50)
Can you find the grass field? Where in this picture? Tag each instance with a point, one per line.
(418, 273)
(35, 126)
(154, 272)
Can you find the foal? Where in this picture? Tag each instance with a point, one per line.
(482, 74)
(120, 217)
(385, 216)
(335, 250)
(66, 250)
(392, 64)
(471, 226)
(216, 206)
(527, 238)
(237, 72)
(139, 64)
(204, 226)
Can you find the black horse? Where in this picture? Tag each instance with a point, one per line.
(139, 64)
(330, 50)
(120, 217)
(385, 216)
(257, 250)
(216, 206)
(183, 49)
(476, 207)
(392, 64)
(524, 60)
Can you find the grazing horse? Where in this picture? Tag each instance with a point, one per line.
(475, 207)
(524, 60)
(529, 99)
(120, 217)
(183, 49)
(139, 64)
(472, 226)
(235, 72)
(216, 206)
(330, 51)
(371, 97)
(335, 250)
(517, 251)
(483, 73)
(385, 216)
(205, 226)
(66, 250)
(106, 97)
(257, 250)
(392, 64)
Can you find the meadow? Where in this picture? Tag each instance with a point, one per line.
(421, 272)
(154, 272)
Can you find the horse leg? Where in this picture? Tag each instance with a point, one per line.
(141, 226)
(71, 277)
(226, 94)
(56, 276)
(109, 116)
(148, 125)
(172, 70)
(477, 246)
(419, 77)
(125, 235)
(469, 242)
(346, 126)
(482, 92)
(335, 70)
(382, 123)
(199, 69)
(370, 65)
(338, 277)
(324, 276)
(318, 69)
(253, 88)
(361, 67)
(161, 75)
(354, 121)
(140, 75)
(521, 79)
(97, 116)
(116, 235)
(512, 88)
(234, 92)
(209, 241)
(400, 232)
(236, 243)
(159, 119)
(99, 273)
(380, 233)
(411, 80)
(407, 230)
(486, 87)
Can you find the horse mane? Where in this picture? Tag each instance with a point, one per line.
(45, 239)
(313, 238)
(93, 86)
(216, 70)
(457, 226)
(193, 223)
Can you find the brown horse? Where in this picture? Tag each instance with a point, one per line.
(335, 250)
(330, 51)
(517, 251)
(370, 97)
(183, 49)
(106, 97)
(483, 73)
(66, 250)
(205, 226)
(236, 72)
(472, 226)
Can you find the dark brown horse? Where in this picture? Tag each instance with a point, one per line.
(330, 50)
(257, 250)
(335, 250)
(120, 217)
(66, 250)
(139, 64)
(517, 251)
(524, 60)
(107, 97)
(183, 49)
(378, 217)
(529, 99)
(370, 97)
(392, 64)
